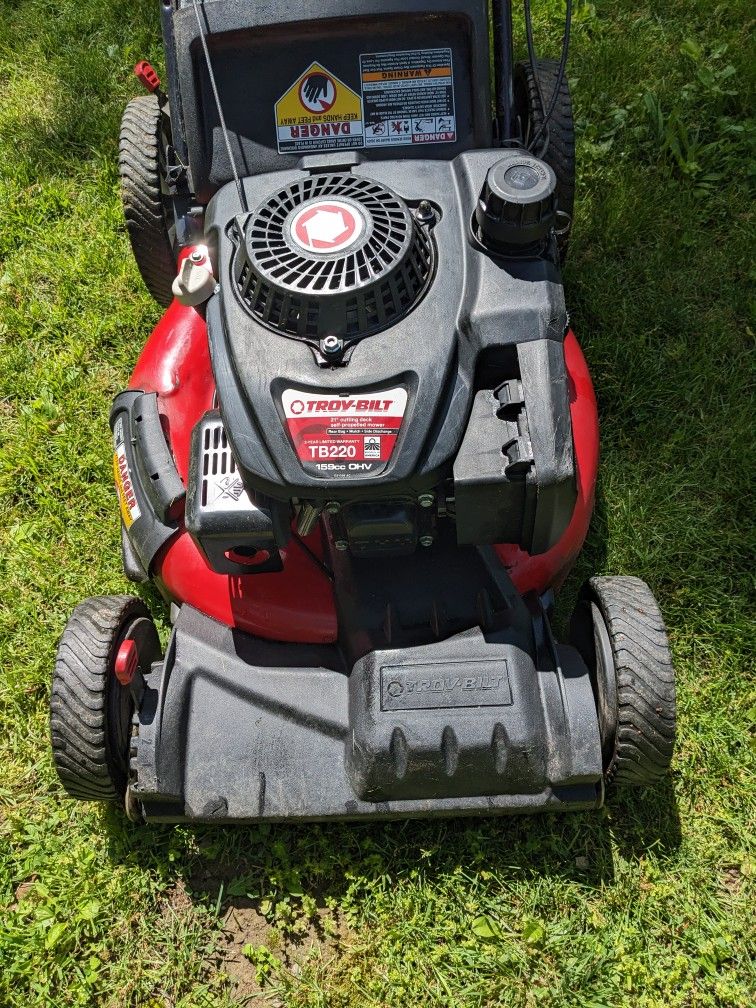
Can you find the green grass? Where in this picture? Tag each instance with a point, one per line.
(648, 903)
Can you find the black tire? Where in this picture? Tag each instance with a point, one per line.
(147, 206)
(90, 711)
(619, 631)
(560, 132)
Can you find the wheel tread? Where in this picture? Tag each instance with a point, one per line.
(645, 716)
(141, 194)
(560, 154)
(78, 730)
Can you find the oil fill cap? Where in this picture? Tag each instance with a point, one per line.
(518, 203)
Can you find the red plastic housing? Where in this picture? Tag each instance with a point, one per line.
(126, 663)
(297, 604)
(147, 76)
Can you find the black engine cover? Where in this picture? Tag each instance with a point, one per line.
(484, 321)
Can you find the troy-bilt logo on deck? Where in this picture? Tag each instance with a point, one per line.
(344, 435)
(299, 406)
(327, 226)
(474, 684)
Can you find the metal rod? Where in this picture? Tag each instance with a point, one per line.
(221, 117)
(503, 67)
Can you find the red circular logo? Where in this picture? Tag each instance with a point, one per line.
(317, 92)
(327, 226)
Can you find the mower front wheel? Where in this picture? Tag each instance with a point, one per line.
(90, 709)
(619, 631)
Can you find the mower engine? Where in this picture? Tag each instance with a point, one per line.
(364, 375)
(358, 453)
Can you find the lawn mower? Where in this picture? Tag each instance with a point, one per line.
(357, 456)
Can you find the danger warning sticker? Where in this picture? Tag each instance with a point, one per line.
(339, 436)
(408, 97)
(130, 510)
(318, 112)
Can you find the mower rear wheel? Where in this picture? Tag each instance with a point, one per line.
(556, 145)
(90, 711)
(147, 204)
(619, 631)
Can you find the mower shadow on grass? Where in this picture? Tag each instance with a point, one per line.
(291, 889)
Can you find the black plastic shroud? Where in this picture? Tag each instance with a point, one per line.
(487, 328)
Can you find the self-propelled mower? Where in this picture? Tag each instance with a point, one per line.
(357, 455)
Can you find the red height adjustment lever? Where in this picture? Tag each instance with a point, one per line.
(127, 662)
(145, 74)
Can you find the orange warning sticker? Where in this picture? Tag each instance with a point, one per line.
(318, 112)
(130, 510)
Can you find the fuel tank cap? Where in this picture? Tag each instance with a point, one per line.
(517, 205)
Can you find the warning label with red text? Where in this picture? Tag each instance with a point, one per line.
(130, 510)
(339, 436)
(408, 97)
(318, 112)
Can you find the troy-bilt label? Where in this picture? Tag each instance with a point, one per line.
(339, 436)
(461, 684)
(130, 511)
(318, 112)
(327, 226)
(408, 97)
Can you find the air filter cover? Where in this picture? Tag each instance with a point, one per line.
(331, 255)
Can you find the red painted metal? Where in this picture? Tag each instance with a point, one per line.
(175, 363)
(549, 570)
(126, 663)
(294, 605)
(297, 604)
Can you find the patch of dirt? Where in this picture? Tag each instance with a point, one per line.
(23, 890)
(243, 924)
(732, 880)
(178, 899)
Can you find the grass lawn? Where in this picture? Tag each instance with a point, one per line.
(648, 903)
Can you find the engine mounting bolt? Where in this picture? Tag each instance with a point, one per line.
(424, 212)
(425, 500)
(426, 540)
(197, 256)
(341, 544)
(332, 507)
(331, 344)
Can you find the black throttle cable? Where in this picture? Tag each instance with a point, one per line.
(216, 97)
(533, 60)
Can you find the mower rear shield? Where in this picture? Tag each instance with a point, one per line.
(236, 729)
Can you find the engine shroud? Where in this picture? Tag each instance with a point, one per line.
(333, 255)
(456, 408)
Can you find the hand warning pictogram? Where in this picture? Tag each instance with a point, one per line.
(317, 92)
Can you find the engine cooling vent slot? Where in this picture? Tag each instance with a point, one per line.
(331, 255)
(221, 481)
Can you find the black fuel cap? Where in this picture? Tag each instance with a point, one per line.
(518, 203)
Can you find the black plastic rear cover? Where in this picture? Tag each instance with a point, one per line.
(260, 51)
